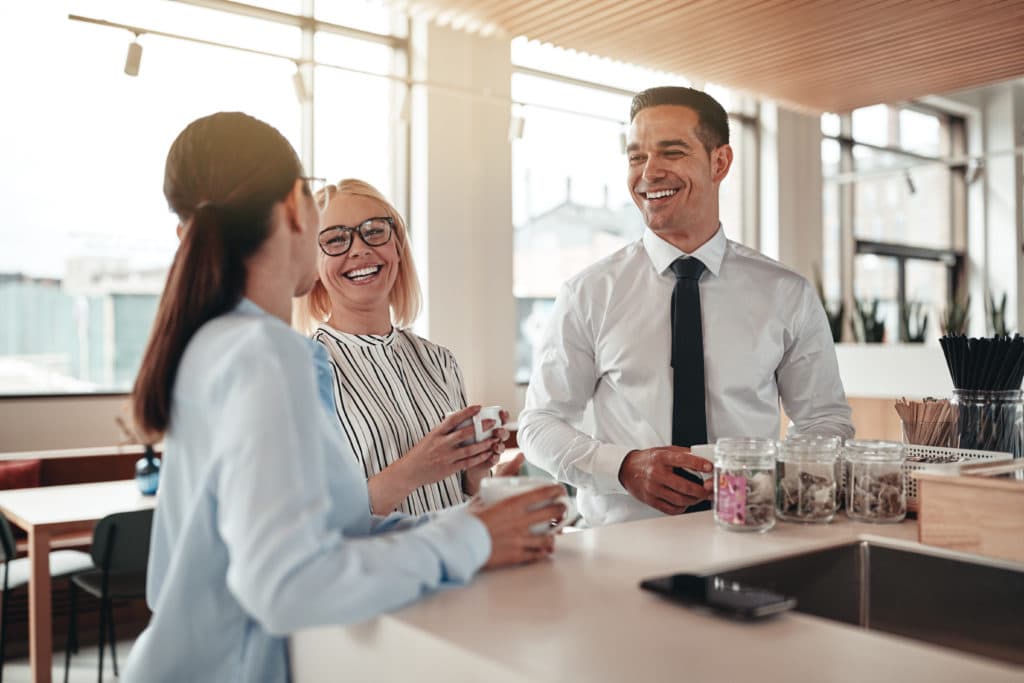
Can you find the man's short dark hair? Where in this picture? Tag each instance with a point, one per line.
(713, 122)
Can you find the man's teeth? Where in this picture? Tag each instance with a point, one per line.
(362, 272)
(660, 193)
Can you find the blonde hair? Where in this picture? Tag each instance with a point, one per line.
(315, 307)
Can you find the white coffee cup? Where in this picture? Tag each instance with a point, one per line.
(706, 451)
(479, 433)
(494, 489)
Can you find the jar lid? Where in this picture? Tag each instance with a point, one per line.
(744, 448)
(810, 447)
(870, 450)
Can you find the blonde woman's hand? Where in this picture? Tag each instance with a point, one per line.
(508, 522)
(444, 451)
(472, 476)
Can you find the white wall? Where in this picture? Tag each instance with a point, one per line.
(462, 205)
(1002, 182)
(791, 207)
(49, 423)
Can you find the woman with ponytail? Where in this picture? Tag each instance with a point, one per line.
(263, 524)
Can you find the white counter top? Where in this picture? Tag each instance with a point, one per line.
(581, 617)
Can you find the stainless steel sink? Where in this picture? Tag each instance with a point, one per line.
(973, 607)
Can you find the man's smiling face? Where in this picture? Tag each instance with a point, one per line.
(672, 178)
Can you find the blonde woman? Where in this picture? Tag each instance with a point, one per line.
(398, 397)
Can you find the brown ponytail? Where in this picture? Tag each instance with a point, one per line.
(224, 175)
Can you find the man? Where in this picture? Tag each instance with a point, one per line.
(677, 339)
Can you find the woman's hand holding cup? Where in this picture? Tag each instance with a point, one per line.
(488, 426)
(518, 514)
(445, 450)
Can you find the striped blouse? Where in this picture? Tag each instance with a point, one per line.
(389, 392)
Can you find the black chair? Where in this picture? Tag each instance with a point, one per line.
(120, 553)
(17, 572)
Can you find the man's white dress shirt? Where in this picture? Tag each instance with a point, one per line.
(608, 343)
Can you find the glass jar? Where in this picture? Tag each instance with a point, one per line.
(807, 476)
(876, 489)
(990, 420)
(745, 484)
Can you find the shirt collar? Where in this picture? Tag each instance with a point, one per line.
(662, 254)
(365, 340)
(248, 307)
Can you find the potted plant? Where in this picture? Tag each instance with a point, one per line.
(835, 317)
(913, 323)
(953, 321)
(871, 327)
(997, 316)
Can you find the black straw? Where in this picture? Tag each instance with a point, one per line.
(995, 364)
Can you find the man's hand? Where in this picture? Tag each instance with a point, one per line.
(649, 478)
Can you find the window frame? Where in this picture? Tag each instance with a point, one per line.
(952, 149)
(306, 63)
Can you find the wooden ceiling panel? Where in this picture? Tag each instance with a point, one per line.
(817, 55)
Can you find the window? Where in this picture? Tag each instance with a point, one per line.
(570, 203)
(87, 236)
(890, 197)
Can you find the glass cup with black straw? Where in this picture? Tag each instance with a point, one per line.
(987, 376)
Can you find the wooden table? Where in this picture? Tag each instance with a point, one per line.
(47, 513)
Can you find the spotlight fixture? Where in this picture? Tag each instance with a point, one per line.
(401, 113)
(299, 81)
(910, 182)
(134, 57)
(975, 169)
(515, 129)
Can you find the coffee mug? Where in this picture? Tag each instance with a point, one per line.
(479, 433)
(494, 489)
(706, 451)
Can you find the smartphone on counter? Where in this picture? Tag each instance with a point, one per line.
(720, 595)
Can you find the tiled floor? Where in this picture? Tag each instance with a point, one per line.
(83, 665)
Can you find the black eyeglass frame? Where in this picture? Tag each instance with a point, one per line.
(345, 229)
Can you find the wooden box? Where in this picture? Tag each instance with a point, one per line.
(980, 510)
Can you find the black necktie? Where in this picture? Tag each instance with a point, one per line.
(689, 419)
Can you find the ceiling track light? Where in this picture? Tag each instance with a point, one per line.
(134, 57)
(975, 169)
(910, 182)
(299, 81)
(515, 128)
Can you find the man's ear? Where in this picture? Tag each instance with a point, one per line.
(721, 162)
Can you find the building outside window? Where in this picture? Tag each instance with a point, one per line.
(894, 215)
(570, 203)
(87, 237)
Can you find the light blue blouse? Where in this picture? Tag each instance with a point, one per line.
(262, 525)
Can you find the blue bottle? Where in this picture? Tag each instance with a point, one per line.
(147, 472)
